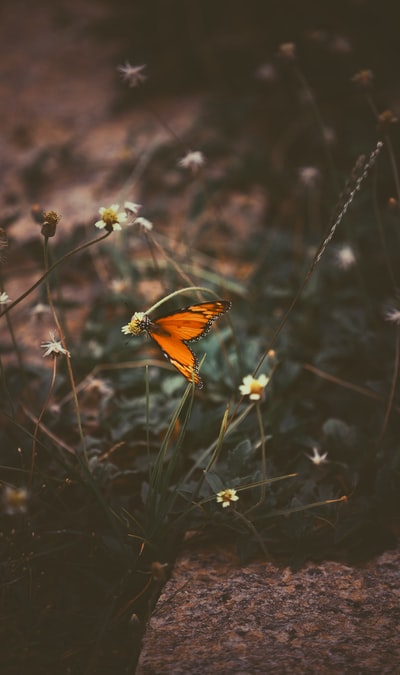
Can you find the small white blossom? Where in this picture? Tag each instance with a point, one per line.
(287, 51)
(15, 500)
(266, 72)
(39, 311)
(341, 44)
(132, 207)
(309, 176)
(145, 224)
(119, 286)
(4, 298)
(226, 497)
(254, 387)
(393, 315)
(329, 135)
(95, 349)
(345, 257)
(316, 458)
(193, 160)
(54, 347)
(134, 75)
(111, 218)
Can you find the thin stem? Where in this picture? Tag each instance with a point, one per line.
(50, 270)
(322, 247)
(6, 389)
(253, 530)
(318, 119)
(347, 385)
(39, 419)
(15, 345)
(381, 232)
(69, 366)
(232, 425)
(393, 385)
(263, 459)
(178, 292)
(218, 445)
(170, 260)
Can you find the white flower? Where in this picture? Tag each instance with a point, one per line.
(111, 218)
(309, 176)
(119, 286)
(193, 160)
(97, 389)
(15, 499)
(132, 207)
(329, 135)
(226, 497)
(132, 74)
(393, 315)
(345, 257)
(136, 325)
(287, 51)
(254, 387)
(266, 72)
(39, 311)
(341, 44)
(95, 349)
(316, 458)
(54, 347)
(4, 298)
(145, 224)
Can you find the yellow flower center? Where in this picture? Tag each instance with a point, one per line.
(135, 326)
(256, 388)
(110, 217)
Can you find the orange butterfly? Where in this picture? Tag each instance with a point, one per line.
(172, 333)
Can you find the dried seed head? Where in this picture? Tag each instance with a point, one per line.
(49, 224)
(385, 121)
(363, 78)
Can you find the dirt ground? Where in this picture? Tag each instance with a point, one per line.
(216, 616)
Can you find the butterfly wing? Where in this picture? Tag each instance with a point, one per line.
(180, 355)
(172, 331)
(190, 323)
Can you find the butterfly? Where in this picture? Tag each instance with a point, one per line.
(173, 332)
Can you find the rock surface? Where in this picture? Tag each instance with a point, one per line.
(215, 616)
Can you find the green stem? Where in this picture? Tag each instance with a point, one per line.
(392, 391)
(263, 460)
(188, 289)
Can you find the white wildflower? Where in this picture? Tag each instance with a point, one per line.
(54, 347)
(133, 75)
(254, 387)
(309, 176)
(132, 208)
(345, 257)
(15, 499)
(143, 223)
(316, 458)
(193, 161)
(393, 315)
(226, 497)
(111, 218)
